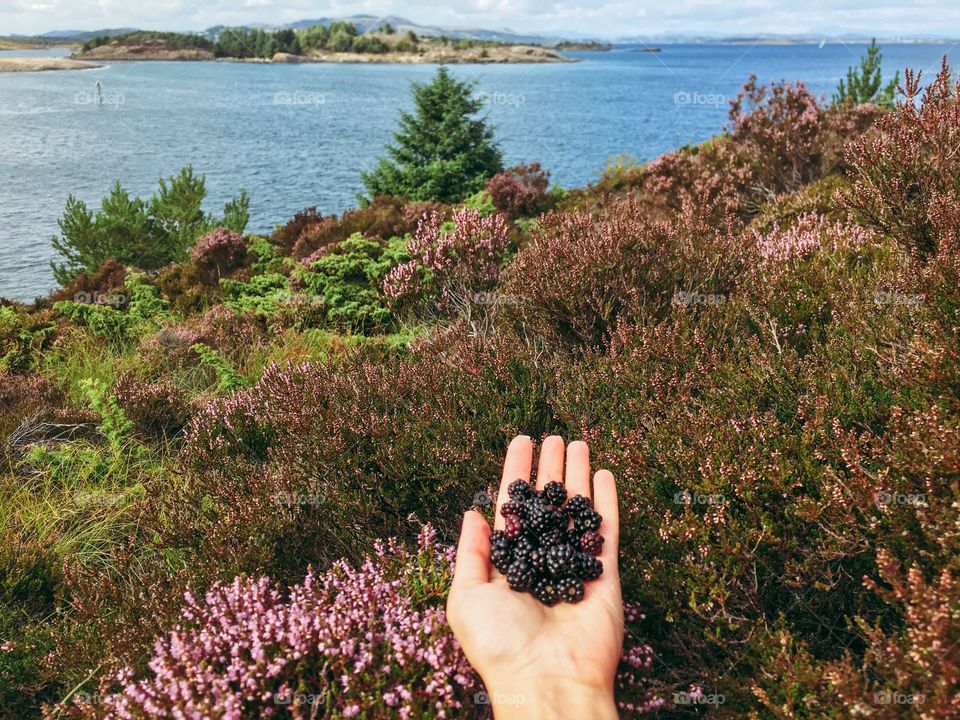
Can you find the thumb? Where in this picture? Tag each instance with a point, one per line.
(473, 551)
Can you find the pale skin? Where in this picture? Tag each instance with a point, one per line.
(536, 661)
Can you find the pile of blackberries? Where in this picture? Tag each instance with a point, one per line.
(549, 545)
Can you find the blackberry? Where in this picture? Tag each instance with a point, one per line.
(560, 559)
(500, 557)
(523, 548)
(520, 575)
(513, 527)
(555, 493)
(591, 542)
(587, 521)
(538, 560)
(545, 590)
(552, 537)
(511, 507)
(570, 589)
(572, 538)
(577, 505)
(519, 490)
(498, 537)
(590, 567)
(542, 517)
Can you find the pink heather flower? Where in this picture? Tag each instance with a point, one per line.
(464, 258)
(810, 232)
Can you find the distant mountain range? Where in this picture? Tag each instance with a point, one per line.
(370, 22)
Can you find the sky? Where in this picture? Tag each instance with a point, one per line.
(609, 19)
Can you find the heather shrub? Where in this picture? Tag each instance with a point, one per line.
(143, 306)
(219, 251)
(156, 410)
(449, 260)
(777, 127)
(520, 191)
(583, 274)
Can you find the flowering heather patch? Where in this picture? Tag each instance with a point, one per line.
(219, 251)
(370, 640)
(462, 259)
(519, 191)
(810, 232)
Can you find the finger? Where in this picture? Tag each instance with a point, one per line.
(473, 551)
(550, 467)
(605, 502)
(516, 466)
(578, 469)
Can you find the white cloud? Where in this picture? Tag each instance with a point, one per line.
(607, 18)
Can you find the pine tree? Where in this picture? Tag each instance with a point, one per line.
(440, 152)
(863, 84)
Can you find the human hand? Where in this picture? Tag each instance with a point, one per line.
(538, 661)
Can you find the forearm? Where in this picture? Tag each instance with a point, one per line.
(548, 700)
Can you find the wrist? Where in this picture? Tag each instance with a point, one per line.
(550, 697)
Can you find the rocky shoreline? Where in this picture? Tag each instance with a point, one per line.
(42, 64)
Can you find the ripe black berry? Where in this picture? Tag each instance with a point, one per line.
(545, 589)
(552, 537)
(519, 490)
(498, 537)
(500, 557)
(592, 542)
(570, 589)
(538, 560)
(542, 517)
(513, 527)
(511, 507)
(590, 567)
(572, 538)
(576, 505)
(587, 521)
(523, 548)
(560, 560)
(555, 493)
(520, 575)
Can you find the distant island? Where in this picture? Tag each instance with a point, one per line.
(589, 46)
(339, 41)
(38, 64)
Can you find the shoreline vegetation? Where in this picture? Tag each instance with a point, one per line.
(208, 435)
(339, 42)
(43, 64)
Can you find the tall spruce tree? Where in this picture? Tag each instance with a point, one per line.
(441, 151)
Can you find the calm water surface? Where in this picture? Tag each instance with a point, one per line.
(299, 135)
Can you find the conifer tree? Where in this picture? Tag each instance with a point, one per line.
(863, 84)
(441, 151)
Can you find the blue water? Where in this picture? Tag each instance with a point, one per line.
(299, 135)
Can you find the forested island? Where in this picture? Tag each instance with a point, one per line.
(340, 41)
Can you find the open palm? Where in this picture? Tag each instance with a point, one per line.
(510, 637)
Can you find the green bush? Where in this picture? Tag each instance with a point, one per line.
(350, 281)
(144, 233)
